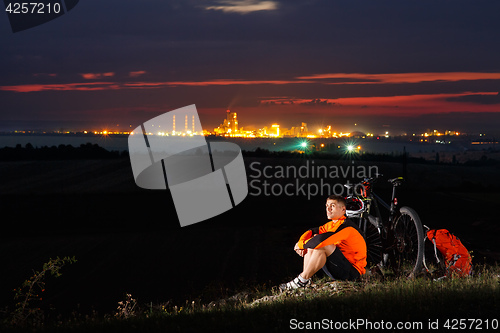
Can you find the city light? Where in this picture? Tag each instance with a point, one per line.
(231, 128)
(303, 146)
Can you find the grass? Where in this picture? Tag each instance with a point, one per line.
(372, 300)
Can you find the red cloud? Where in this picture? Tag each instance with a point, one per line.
(45, 74)
(136, 73)
(234, 82)
(346, 78)
(61, 87)
(94, 76)
(340, 78)
(406, 105)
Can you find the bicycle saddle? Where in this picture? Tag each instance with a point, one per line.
(396, 181)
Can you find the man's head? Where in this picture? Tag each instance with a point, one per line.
(335, 207)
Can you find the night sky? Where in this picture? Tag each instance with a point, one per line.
(402, 66)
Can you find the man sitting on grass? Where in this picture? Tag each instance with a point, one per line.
(337, 247)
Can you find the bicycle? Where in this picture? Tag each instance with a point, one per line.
(396, 242)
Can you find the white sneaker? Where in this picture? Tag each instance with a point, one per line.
(294, 284)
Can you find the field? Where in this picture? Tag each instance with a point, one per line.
(128, 240)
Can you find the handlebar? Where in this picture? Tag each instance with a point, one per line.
(370, 180)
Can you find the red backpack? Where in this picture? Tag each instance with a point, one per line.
(457, 259)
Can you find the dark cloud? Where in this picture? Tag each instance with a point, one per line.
(317, 102)
(478, 99)
(306, 36)
(167, 40)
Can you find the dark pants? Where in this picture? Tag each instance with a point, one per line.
(339, 268)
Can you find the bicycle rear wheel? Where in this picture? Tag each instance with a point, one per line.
(408, 249)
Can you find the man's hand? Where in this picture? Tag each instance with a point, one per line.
(300, 252)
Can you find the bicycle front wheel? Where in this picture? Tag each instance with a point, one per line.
(408, 250)
(373, 242)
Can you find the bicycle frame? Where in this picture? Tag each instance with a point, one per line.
(400, 235)
(374, 199)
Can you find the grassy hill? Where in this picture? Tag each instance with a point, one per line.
(375, 303)
(127, 240)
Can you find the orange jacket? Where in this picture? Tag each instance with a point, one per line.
(344, 235)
